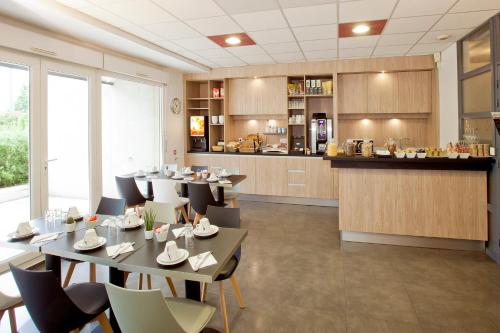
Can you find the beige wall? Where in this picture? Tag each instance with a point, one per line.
(174, 123)
(448, 96)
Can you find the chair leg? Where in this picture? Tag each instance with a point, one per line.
(125, 278)
(148, 276)
(12, 320)
(223, 307)
(69, 274)
(171, 286)
(1, 314)
(197, 219)
(92, 272)
(184, 214)
(204, 286)
(104, 322)
(237, 291)
(140, 282)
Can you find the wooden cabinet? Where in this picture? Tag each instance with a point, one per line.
(263, 96)
(382, 93)
(197, 160)
(414, 92)
(247, 167)
(321, 179)
(271, 176)
(296, 176)
(352, 91)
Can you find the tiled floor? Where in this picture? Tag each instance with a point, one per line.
(296, 277)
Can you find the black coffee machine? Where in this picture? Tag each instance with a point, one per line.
(198, 126)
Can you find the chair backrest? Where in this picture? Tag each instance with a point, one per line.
(149, 313)
(165, 212)
(200, 196)
(199, 168)
(164, 191)
(128, 190)
(48, 305)
(226, 218)
(111, 206)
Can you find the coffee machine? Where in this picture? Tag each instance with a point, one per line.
(198, 126)
(321, 133)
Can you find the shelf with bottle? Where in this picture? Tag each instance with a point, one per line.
(319, 87)
(296, 104)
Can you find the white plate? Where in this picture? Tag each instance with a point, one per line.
(132, 226)
(177, 177)
(212, 180)
(189, 178)
(188, 173)
(15, 236)
(162, 259)
(81, 247)
(214, 230)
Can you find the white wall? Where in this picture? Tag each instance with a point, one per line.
(448, 96)
(174, 123)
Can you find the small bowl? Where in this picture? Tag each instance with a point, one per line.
(452, 155)
(464, 155)
(400, 154)
(421, 155)
(411, 155)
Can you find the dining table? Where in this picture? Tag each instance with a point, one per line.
(142, 259)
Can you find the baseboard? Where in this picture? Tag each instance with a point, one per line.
(429, 242)
(289, 200)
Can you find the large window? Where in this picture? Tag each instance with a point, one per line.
(131, 130)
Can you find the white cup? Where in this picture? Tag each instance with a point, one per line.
(90, 237)
(221, 119)
(24, 228)
(204, 174)
(73, 212)
(169, 173)
(204, 225)
(171, 250)
(131, 219)
(162, 233)
(215, 119)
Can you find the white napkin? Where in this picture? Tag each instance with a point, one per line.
(106, 223)
(44, 237)
(177, 231)
(225, 181)
(209, 261)
(111, 250)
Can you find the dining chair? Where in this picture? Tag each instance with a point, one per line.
(164, 191)
(231, 195)
(128, 190)
(199, 168)
(227, 218)
(151, 312)
(54, 309)
(200, 197)
(9, 304)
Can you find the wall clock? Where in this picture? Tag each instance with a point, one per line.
(175, 105)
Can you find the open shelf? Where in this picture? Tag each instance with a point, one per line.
(197, 108)
(319, 95)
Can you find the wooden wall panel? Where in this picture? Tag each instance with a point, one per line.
(262, 96)
(382, 93)
(353, 93)
(415, 93)
(271, 176)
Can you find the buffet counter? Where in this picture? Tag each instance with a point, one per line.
(431, 197)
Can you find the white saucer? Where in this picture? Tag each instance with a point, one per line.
(189, 178)
(132, 226)
(162, 259)
(214, 180)
(177, 177)
(188, 173)
(214, 230)
(80, 246)
(15, 236)
(225, 175)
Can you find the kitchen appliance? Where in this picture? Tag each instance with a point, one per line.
(297, 145)
(321, 132)
(358, 143)
(198, 127)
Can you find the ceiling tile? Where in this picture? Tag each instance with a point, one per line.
(215, 25)
(105, 16)
(288, 57)
(463, 20)
(431, 36)
(321, 54)
(199, 43)
(410, 24)
(406, 8)
(272, 19)
(172, 30)
(475, 5)
(428, 48)
(246, 6)
(400, 39)
(303, 3)
(229, 62)
(191, 9)
(357, 42)
(327, 31)
(145, 34)
(139, 12)
(315, 45)
(394, 50)
(272, 36)
(241, 51)
(199, 59)
(258, 59)
(77, 4)
(171, 46)
(214, 54)
(289, 47)
(312, 15)
(355, 53)
(367, 10)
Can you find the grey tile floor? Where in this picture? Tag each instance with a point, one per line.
(296, 276)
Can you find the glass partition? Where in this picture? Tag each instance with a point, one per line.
(476, 49)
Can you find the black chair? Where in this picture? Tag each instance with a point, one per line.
(128, 190)
(200, 197)
(54, 309)
(110, 206)
(227, 218)
(199, 168)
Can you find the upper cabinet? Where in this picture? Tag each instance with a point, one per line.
(352, 93)
(261, 96)
(382, 93)
(414, 92)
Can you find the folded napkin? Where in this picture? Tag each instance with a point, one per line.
(206, 259)
(178, 231)
(225, 181)
(44, 237)
(119, 249)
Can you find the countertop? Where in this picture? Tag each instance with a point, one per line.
(429, 163)
(252, 154)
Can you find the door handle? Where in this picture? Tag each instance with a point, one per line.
(51, 160)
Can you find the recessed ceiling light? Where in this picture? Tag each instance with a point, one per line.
(361, 29)
(443, 37)
(233, 40)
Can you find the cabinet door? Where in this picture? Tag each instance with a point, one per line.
(270, 176)
(320, 179)
(238, 101)
(296, 176)
(197, 160)
(257, 96)
(415, 92)
(247, 168)
(353, 93)
(382, 93)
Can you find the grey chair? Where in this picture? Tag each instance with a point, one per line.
(227, 218)
(128, 190)
(153, 313)
(9, 304)
(200, 197)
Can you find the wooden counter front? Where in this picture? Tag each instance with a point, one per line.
(430, 203)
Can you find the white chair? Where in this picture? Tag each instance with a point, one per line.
(172, 167)
(153, 313)
(231, 195)
(9, 303)
(164, 191)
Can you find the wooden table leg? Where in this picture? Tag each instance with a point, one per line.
(53, 263)
(185, 194)
(116, 277)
